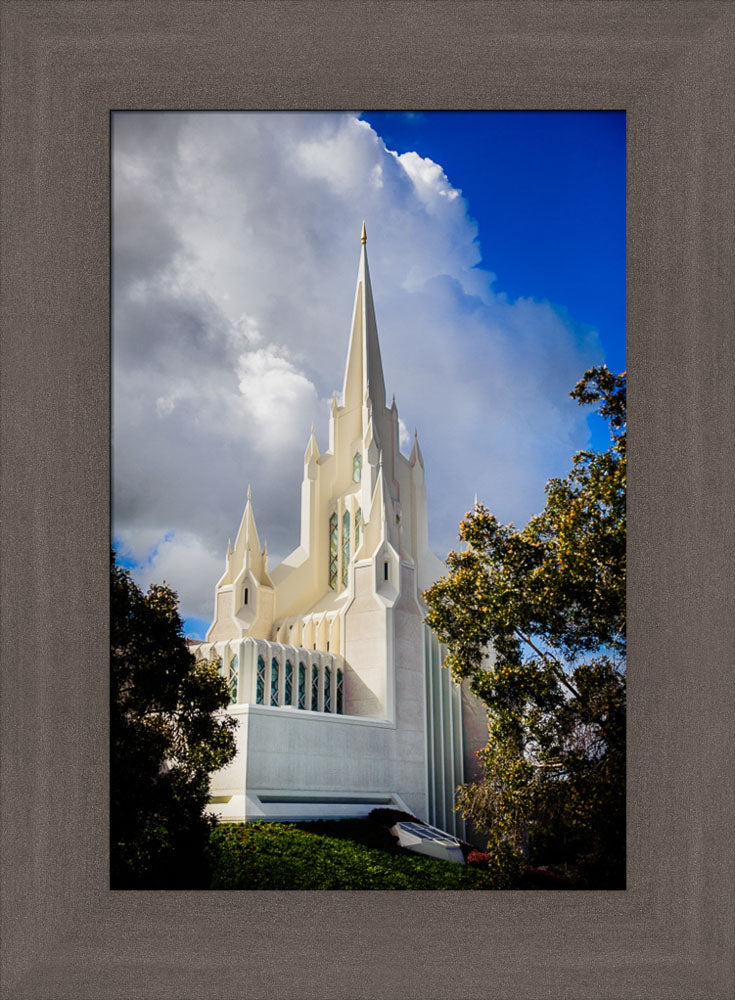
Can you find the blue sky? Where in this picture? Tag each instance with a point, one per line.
(547, 190)
(497, 252)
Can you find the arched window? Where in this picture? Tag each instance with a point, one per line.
(357, 467)
(358, 528)
(345, 547)
(232, 679)
(327, 689)
(314, 688)
(302, 686)
(260, 683)
(333, 551)
(288, 684)
(340, 692)
(274, 681)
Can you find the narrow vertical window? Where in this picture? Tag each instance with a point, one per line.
(260, 683)
(245, 596)
(315, 688)
(327, 689)
(345, 547)
(357, 467)
(358, 528)
(288, 684)
(232, 679)
(340, 691)
(274, 681)
(333, 551)
(302, 686)
(385, 570)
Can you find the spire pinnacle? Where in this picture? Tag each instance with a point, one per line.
(364, 370)
(416, 455)
(363, 238)
(247, 535)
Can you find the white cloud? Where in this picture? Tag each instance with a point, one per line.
(236, 243)
(181, 561)
(276, 397)
(404, 438)
(428, 177)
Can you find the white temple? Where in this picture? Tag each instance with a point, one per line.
(338, 686)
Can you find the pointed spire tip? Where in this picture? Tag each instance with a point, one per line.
(250, 494)
(363, 237)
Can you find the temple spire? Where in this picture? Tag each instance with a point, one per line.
(247, 535)
(364, 372)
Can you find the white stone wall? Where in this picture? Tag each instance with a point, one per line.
(308, 764)
(248, 650)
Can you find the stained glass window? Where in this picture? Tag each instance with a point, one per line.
(357, 467)
(288, 683)
(302, 686)
(232, 680)
(340, 692)
(358, 528)
(315, 688)
(327, 689)
(274, 681)
(260, 684)
(345, 547)
(333, 551)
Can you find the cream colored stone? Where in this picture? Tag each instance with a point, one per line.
(400, 736)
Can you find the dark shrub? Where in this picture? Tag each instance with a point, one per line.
(389, 817)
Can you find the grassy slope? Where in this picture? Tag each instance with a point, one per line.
(285, 856)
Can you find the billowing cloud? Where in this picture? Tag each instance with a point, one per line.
(236, 243)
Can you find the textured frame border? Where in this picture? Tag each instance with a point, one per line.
(65, 65)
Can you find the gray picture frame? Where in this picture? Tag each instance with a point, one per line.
(65, 66)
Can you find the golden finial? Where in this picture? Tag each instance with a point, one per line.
(363, 238)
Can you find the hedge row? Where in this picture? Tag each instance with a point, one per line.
(285, 856)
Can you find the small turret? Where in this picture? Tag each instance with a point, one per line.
(247, 544)
(312, 449)
(416, 457)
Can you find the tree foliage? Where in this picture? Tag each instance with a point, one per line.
(167, 735)
(549, 602)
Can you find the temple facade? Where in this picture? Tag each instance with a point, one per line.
(336, 681)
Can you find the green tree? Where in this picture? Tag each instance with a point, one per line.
(167, 735)
(547, 603)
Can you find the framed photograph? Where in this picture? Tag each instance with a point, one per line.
(67, 68)
(263, 388)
